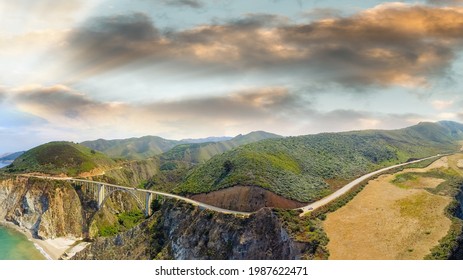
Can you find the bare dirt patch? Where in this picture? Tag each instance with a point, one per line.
(387, 222)
(247, 199)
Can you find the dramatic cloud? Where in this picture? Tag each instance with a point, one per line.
(63, 107)
(346, 120)
(190, 3)
(270, 109)
(322, 13)
(391, 44)
(445, 2)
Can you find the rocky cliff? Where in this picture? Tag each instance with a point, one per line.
(47, 209)
(181, 231)
(50, 209)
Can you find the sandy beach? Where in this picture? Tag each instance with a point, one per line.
(52, 249)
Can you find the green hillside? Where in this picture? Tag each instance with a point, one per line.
(190, 150)
(201, 152)
(132, 148)
(59, 158)
(300, 168)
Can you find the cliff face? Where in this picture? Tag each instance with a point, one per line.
(181, 231)
(50, 209)
(47, 209)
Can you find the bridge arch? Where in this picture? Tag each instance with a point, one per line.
(102, 191)
(132, 194)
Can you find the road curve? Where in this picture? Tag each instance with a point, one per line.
(305, 209)
(349, 186)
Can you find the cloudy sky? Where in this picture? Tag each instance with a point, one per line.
(86, 69)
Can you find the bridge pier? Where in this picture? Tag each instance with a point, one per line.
(148, 200)
(101, 195)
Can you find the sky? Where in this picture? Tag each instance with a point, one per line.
(80, 70)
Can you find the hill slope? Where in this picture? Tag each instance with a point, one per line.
(201, 152)
(301, 168)
(132, 148)
(59, 158)
(10, 157)
(190, 150)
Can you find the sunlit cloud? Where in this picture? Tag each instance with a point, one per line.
(442, 104)
(89, 69)
(445, 2)
(392, 44)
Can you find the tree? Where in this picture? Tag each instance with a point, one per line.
(227, 166)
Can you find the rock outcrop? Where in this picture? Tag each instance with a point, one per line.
(47, 209)
(50, 209)
(181, 231)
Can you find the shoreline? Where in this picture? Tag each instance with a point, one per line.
(51, 249)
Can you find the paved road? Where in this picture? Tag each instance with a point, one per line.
(305, 209)
(352, 184)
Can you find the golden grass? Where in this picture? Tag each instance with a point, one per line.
(388, 222)
(443, 162)
(420, 182)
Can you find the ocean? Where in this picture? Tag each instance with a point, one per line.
(16, 246)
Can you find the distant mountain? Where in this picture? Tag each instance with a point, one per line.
(201, 152)
(454, 128)
(149, 146)
(305, 168)
(205, 140)
(10, 156)
(132, 148)
(60, 158)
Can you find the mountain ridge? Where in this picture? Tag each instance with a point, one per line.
(305, 168)
(149, 146)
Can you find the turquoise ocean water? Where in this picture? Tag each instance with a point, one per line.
(16, 246)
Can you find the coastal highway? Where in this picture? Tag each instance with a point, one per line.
(305, 209)
(349, 186)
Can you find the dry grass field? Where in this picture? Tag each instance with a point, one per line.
(392, 221)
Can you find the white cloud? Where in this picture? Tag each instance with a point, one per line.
(442, 104)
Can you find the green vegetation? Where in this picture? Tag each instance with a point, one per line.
(184, 150)
(125, 221)
(59, 158)
(403, 178)
(306, 230)
(339, 202)
(299, 167)
(201, 152)
(133, 148)
(452, 187)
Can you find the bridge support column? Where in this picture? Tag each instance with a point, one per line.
(148, 200)
(101, 194)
